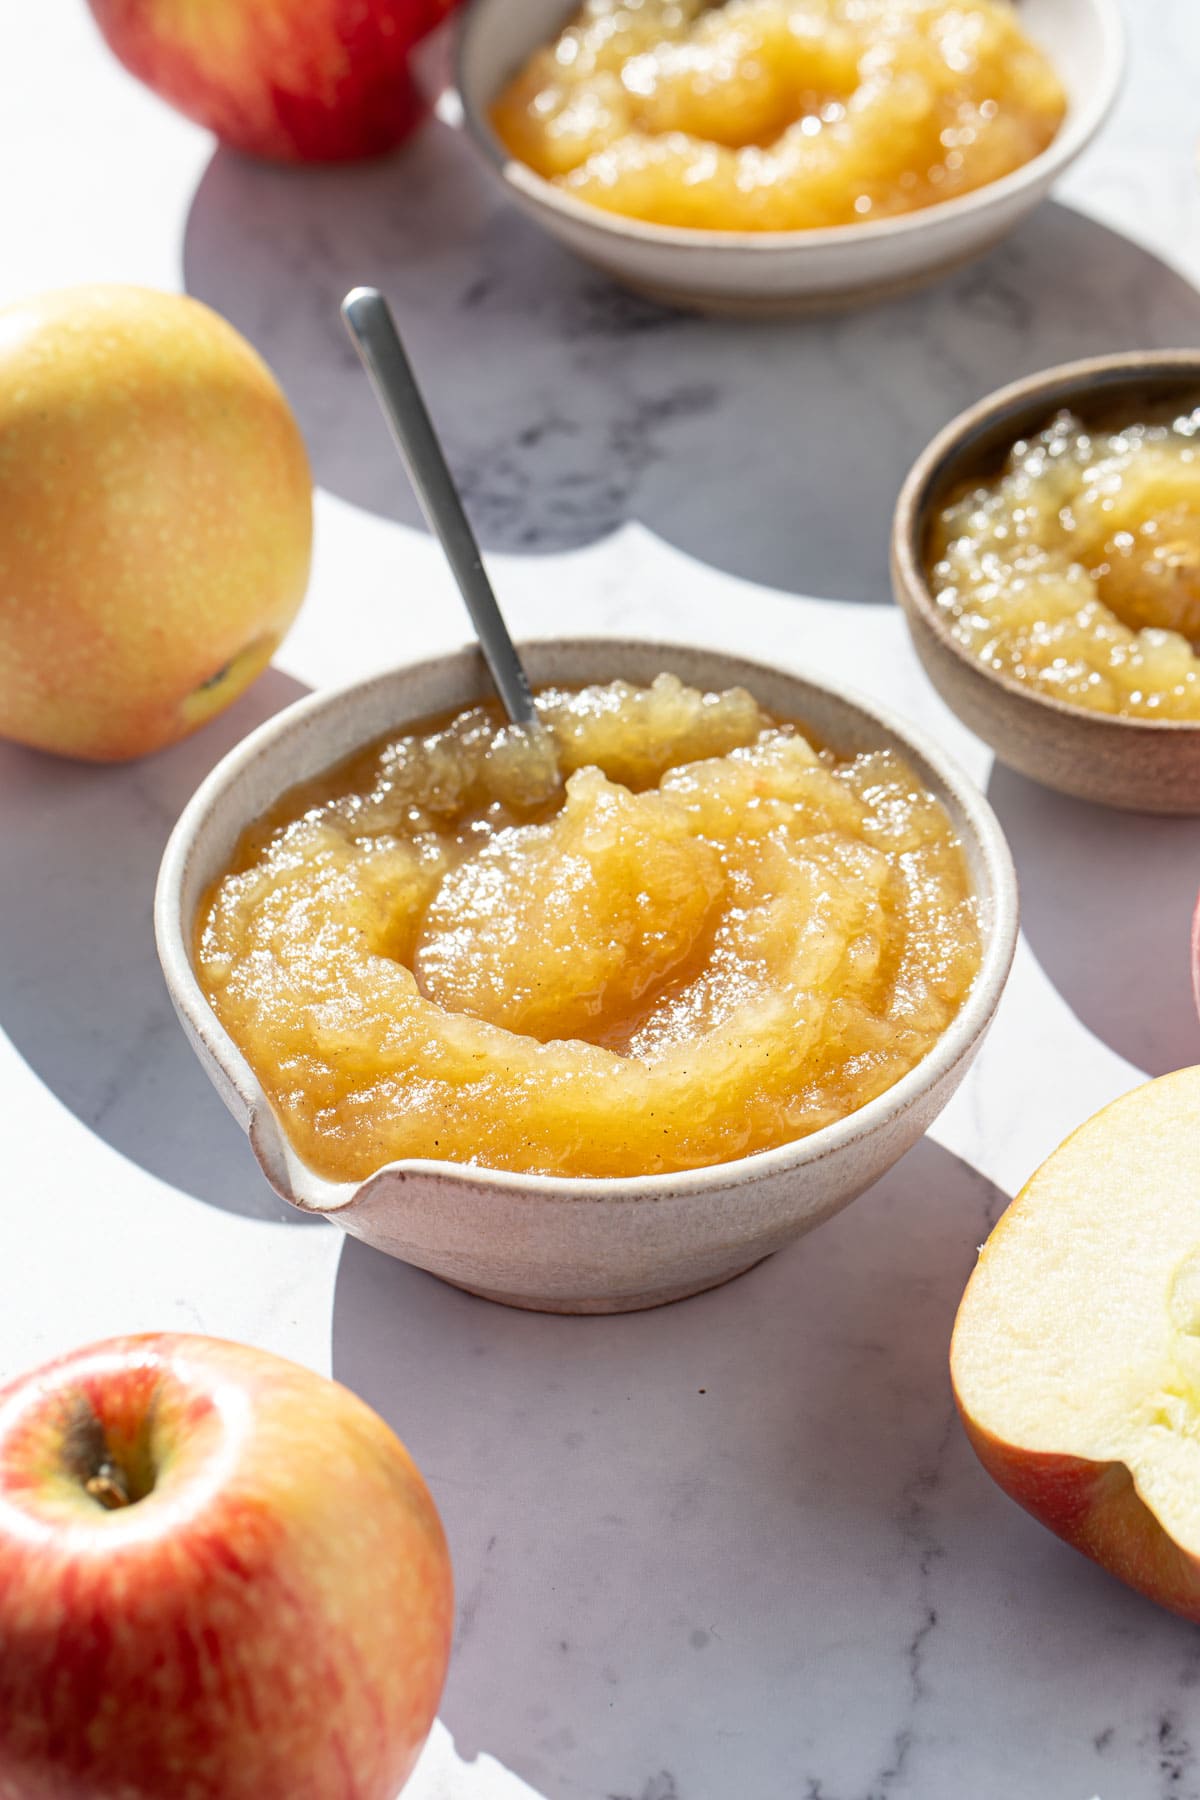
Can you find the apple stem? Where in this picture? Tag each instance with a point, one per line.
(108, 1486)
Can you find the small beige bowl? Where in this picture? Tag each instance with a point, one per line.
(790, 271)
(584, 1245)
(1141, 765)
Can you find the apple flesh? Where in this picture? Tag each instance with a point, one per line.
(155, 519)
(1076, 1351)
(221, 1577)
(291, 80)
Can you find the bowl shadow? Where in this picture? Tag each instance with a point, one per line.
(569, 406)
(643, 1510)
(82, 996)
(1106, 906)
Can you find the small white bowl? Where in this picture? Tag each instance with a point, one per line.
(790, 271)
(545, 1242)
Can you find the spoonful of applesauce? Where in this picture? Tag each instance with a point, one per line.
(373, 332)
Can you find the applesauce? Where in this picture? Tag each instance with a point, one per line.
(658, 931)
(780, 115)
(1076, 569)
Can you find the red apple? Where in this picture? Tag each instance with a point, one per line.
(221, 1578)
(1076, 1353)
(294, 80)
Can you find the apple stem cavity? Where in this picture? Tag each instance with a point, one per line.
(219, 688)
(112, 1475)
(215, 679)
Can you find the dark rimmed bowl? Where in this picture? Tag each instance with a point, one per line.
(1140, 765)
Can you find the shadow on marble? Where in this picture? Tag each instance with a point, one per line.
(740, 1547)
(1106, 905)
(774, 451)
(81, 992)
(679, 1535)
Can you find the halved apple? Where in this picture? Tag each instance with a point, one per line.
(1076, 1352)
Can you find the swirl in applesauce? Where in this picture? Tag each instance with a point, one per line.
(1076, 569)
(781, 115)
(711, 940)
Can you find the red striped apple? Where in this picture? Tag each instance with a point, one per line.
(221, 1578)
(1076, 1352)
(293, 80)
(155, 519)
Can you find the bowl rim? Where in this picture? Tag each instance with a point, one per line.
(1057, 384)
(999, 933)
(1077, 131)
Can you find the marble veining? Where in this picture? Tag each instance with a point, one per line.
(570, 407)
(738, 1549)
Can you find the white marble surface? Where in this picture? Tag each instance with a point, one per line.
(737, 1549)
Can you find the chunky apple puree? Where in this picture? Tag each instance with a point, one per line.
(711, 940)
(1077, 569)
(781, 115)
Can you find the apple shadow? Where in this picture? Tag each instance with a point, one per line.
(1106, 905)
(569, 406)
(82, 995)
(644, 1510)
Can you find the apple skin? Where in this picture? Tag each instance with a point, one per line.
(290, 80)
(1095, 1507)
(270, 1622)
(155, 519)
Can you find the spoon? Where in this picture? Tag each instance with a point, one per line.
(373, 332)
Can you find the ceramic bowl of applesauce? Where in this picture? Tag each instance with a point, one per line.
(772, 156)
(595, 1046)
(1046, 552)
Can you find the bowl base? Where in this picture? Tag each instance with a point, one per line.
(792, 306)
(621, 1303)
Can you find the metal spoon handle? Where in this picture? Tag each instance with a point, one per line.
(373, 331)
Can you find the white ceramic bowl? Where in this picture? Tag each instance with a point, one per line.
(789, 271)
(580, 1245)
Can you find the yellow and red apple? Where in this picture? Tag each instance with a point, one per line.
(221, 1576)
(294, 80)
(155, 519)
(1076, 1352)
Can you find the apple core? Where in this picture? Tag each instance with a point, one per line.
(1184, 1296)
(1075, 1358)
